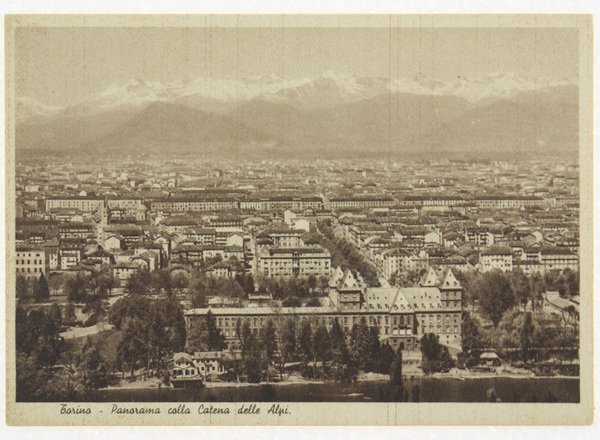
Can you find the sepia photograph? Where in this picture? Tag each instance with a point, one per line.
(276, 219)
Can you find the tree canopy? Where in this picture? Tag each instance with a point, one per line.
(435, 356)
(496, 295)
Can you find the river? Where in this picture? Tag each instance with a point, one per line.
(564, 390)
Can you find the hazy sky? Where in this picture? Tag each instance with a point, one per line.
(58, 66)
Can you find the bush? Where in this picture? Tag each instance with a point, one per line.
(291, 301)
(308, 372)
(92, 320)
(313, 302)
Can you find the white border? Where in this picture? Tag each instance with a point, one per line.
(306, 6)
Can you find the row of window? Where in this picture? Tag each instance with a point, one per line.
(285, 273)
(432, 329)
(29, 270)
(439, 318)
(288, 263)
(186, 372)
(28, 261)
(256, 322)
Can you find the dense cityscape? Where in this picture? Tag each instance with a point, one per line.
(153, 272)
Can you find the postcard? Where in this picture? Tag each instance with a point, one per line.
(299, 219)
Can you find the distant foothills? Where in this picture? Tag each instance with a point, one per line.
(327, 116)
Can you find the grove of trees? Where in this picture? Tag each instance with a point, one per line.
(153, 330)
(32, 289)
(344, 254)
(299, 288)
(497, 292)
(43, 373)
(318, 351)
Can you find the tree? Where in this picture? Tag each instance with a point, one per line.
(322, 346)
(23, 336)
(246, 281)
(323, 283)
(287, 345)
(365, 346)
(396, 378)
(55, 282)
(55, 314)
(175, 323)
(94, 368)
(132, 348)
(45, 342)
(403, 278)
(252, 359)
(496, 295)
(508, 332)
(216, 340)
(127, 308)
(105, 281)
(470, 284)
(435, 356)
(161, 280)
(269, 339)
(196, 336)
(339, 349)
(76, 288)
(572, 281)
(472, 336)
(252, 368)
(139, 282)
(69, 316)
(269, 343)
(537, 288)
(305, 340)
(246, 339)
(383, 359)
(291, 301)
(37, 384)
(22, 288)
(180, 282)
(205, 335)
(31, 380)
(42, 291)
(197, 288)
(526, 336)
(359, 343)
(157, 328)
(313, 302)
(520, 285)
(342, 367)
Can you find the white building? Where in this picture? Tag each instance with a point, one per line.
(30, 262)
(294, 262)
(496, 258)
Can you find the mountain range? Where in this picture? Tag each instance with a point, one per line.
(328, 115)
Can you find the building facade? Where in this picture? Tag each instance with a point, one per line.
(31, 262)
(400, 315)
(294, 262)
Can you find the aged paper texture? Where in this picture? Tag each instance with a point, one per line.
(299, 220)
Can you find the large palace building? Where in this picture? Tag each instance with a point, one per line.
(401, 315)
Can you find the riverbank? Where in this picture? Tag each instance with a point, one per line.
(423, 389)
(455, 374)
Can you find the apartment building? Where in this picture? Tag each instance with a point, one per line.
(31, 262)
(499, 258)
(294, 262)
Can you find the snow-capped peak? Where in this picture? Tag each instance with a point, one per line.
(327, 89)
